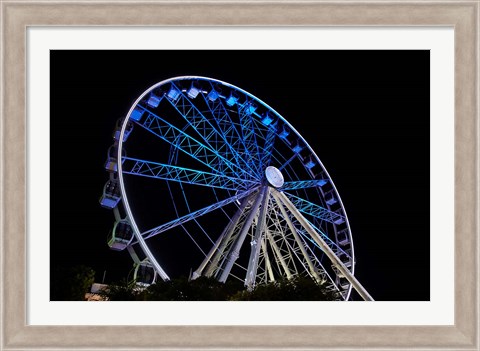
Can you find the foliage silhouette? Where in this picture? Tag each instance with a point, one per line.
(71, 283)
(209, 289)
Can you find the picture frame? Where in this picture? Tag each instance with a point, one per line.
(18, 15)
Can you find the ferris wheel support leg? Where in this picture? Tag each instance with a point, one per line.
(226, 234)
(268, 265)
(278, 254)
(210, 264)
(235, 251)
(328, 251)
(299, 241)
(256, 243)
(198, 272)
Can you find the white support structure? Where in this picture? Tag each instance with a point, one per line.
(299, 241)
(268, 265)
(215, 253)
(235, 251)
(278, 254)
(256, 242)
(337, 263)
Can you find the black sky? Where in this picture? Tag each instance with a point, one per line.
(365, 113)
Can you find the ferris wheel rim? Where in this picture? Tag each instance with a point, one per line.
(126, 203)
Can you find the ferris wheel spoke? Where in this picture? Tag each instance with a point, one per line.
(184, 142)
(249, 136)
(268, 147)
(212, 259)
(234, 251)
(296, 150)
(315, 210)
(167, 172)
(278, 235)
(255, 244)
(323, 272)
(268, 263)
(166, 226)
(197, 120)
(336, 262)
(279, 258)
(297, 240)
(303, 184)
(227, 127)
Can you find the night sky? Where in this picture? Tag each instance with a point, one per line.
(365, 114)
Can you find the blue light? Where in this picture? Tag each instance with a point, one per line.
(250, 107)
(284, 133)
(136, 114)
(322, 182)
(232, 99)
(266, 120)
(193, 92)
(173, 93)
(212, 95)
(330, 198)
(340, 220)
(310, 164)
(108, 202)
(297, 148)
(154, 101)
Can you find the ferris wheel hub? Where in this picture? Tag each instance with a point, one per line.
(274, 176)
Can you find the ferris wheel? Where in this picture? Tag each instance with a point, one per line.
(217, 180)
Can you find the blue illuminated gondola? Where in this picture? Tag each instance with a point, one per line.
(250, 107)
(173, 94)
(193, 91)
(136, 114)
(330, 198)
(284, 133)
(310, 163)
(111, 194)
(118, 129)
(267, 119)
(232, 99)
(214, 94)
(297, 148)
(111, 163)
(154, 100)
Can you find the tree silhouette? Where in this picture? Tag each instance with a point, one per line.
(209, 289)
(71, 283)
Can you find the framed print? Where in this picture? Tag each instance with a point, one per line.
(390, 89)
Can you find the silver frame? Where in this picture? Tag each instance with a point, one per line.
(17, 15)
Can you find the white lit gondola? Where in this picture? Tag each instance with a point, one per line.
(121, 235)
(145, 274)
(193, 91)
(154, 100)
